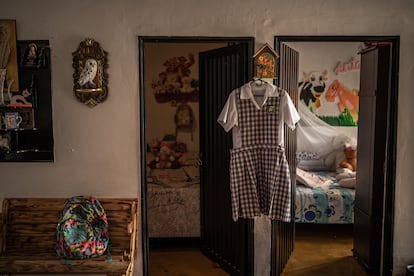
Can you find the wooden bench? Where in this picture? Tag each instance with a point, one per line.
(28, 238)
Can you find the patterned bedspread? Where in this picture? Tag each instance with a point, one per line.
(330, 204)
(173, 202)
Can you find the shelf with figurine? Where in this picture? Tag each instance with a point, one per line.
(26, 129)
(17, 119)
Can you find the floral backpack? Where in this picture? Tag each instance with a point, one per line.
(82, 231)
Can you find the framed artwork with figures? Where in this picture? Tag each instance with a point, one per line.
(8, 56)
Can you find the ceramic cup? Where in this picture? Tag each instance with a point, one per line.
(12, 120)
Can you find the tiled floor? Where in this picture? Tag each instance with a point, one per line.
(319, 250)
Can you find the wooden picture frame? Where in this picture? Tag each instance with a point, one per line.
(8, 54)
(90, 77)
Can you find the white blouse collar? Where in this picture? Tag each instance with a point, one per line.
(248, 88)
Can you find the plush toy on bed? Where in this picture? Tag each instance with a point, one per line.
(167, 153)
(350, 159)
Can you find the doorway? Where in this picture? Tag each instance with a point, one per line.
(282, 235)
(173, 114)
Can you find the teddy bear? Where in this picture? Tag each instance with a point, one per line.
(350, 159)
(166, 159)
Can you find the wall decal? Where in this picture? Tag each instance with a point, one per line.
(352, 65)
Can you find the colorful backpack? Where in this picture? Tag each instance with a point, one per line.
(82, 231)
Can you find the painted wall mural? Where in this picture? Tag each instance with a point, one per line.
(319, 91)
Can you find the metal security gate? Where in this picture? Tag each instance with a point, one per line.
(226, 242)
(283, 234)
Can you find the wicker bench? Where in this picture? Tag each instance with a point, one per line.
(28, 238)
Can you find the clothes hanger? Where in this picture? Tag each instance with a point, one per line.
(258, 81)
(259, 84)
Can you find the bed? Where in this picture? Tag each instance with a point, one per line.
(173, 197)
(325, 202)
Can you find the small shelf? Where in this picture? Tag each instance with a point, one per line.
(18, 129)
(32, 139)
(16, 106)
(27, 156)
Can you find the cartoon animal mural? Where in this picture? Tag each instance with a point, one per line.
(348, 99)
(312, 88)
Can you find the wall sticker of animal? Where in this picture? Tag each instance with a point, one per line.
(312, 88)
(348, 99)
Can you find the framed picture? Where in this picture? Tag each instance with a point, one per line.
(8, 55)
(32, 55)
(90, 78)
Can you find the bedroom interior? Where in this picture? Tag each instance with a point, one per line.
(322, 201)
(373, 188)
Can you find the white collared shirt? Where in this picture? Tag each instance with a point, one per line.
(228, 117)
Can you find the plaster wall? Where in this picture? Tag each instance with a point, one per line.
(97, 150)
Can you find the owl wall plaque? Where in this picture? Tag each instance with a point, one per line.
(90, 80)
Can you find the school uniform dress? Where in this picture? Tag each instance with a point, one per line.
(259, 172)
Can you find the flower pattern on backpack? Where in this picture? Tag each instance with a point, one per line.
(82, 231)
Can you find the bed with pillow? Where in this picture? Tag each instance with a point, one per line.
(173, 197)
(320, 198)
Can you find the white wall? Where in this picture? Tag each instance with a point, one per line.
(97, 150)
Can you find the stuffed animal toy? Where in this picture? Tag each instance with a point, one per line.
(350, 159)
(166, 159)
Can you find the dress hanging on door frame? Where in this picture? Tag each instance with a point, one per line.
(259, 172)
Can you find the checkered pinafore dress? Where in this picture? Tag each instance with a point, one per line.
(259, 172)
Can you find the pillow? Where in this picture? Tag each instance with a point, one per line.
(307, 155)
(333, 159)
(312, 165)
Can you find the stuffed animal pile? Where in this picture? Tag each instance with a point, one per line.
(167, 154)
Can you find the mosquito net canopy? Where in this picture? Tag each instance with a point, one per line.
(317, 140)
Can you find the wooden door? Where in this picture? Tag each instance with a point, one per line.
(226, 242)
(283, 234)
(372, 135)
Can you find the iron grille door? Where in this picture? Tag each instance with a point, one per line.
(283, 234)
(226, 242)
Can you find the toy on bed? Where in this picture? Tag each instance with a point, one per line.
(167, 153)
(325, 196)
(350, 159)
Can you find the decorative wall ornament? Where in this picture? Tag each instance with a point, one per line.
(265, 62)
(175, 84)
(184, 119)
(90, 77)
